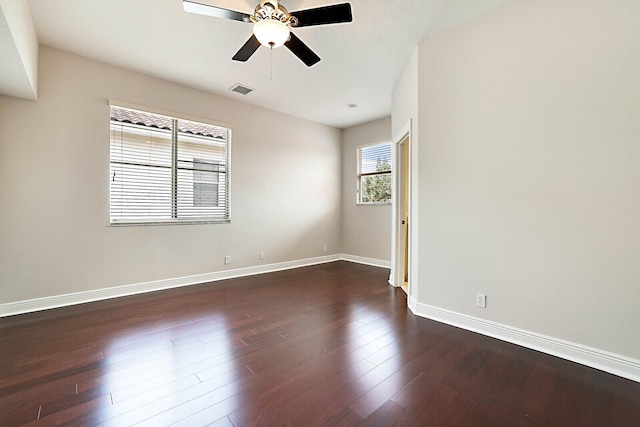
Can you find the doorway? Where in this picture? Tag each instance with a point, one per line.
(403, 202)
(401, 257)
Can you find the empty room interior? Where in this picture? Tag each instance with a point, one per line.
(307, 212)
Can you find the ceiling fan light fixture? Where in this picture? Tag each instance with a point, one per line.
(271, 33)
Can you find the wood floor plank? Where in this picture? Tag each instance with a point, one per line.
(535, 396)
(433, 405)
(325, 345)
(346, 418)
(567, 394)
(310, 397)
(387, 414)
(84, 413)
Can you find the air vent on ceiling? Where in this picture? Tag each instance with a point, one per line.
(241, 89)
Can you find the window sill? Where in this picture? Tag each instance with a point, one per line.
(155, 223)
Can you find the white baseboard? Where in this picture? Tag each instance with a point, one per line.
(367, 261)
(56, 301)
(605, 361)
(412, 303)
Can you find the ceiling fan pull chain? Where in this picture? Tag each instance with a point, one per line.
(271, 65)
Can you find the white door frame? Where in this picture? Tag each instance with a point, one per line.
(396, 277)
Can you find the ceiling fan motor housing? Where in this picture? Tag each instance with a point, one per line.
(271, 9)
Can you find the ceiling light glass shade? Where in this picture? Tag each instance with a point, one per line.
(271, 33)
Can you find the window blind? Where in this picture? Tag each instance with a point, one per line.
(374, 173)
(167, 170)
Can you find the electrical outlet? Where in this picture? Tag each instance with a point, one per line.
(326, 248)
(481, 300)
(227, 259)
(262, 255)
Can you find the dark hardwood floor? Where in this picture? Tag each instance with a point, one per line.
(332, 344)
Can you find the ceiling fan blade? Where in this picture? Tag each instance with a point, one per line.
(302, 51)
(333, 14)
(247, 49)
(216, 12)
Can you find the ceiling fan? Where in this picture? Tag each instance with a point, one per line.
(272, 25)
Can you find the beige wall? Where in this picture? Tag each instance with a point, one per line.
(405, 120)
(54, 189)
(366, 230)
(530, 170)
(404, 100)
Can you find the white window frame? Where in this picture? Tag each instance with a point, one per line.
(360, 174)
(224, 189)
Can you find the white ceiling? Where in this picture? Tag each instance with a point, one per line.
(361, 61)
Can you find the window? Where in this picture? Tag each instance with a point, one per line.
(374, 174)
(205, 183)
(166, 169)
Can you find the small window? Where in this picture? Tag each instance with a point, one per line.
(205, 183)
(166, 169)
(374, 174)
